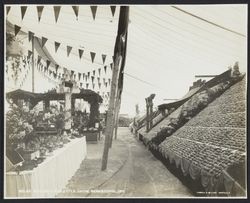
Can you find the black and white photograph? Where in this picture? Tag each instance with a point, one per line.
(125, 101)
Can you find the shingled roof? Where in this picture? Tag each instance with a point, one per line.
(213, 141)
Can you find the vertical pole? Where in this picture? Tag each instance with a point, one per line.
(117, 117)
(122, 29)
(33, 65)
(147, 117)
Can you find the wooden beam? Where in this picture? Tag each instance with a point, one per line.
(122, 30)
(205, 76)
(33, 65)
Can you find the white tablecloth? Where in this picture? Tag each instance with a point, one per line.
(51, 176)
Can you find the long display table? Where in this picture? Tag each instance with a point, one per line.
(49, 177)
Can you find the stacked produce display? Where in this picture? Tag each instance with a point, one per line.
(214, 140)
(35, 135)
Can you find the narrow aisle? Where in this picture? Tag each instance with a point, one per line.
(142, 175)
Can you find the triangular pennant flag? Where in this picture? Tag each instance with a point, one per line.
(57, 11)
(44, 40)
(80, 53)
(88, 74)
(31, 35)
(106, 84)
(93, 10)
(99, 71)
(50, 71)
(92, 77)
(92, 54)
(93, 85)
(83, 75)
(103, 58)
(99, 84)
(105, 68)
(54, 74)
(29, 54)
(39, 59)
(56, 66)
(80, 84)
(87, 85)
(109, 81)
(98, 79)
(69, 48)
(8, 9)
(76, 10)
(39, 12)
(57, 44)
(93, 72)
(111, 66)
(48, 63)
(86, 78)
(23, 11)
(79, 76)
(113, 10)
(17, 29)
(72, 73)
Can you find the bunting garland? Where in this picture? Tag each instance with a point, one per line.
(39, 12)
(80, 53)
(113, 10)
(29, 54)
(103, 58)
(93, 10)
(31, 35)
(48, 63)
(56, 12)
(56, 66)
(92, 54)
(57, 44)
(39, 59)
(23, 11)
(69, 48)
(17, 29)
(8, 9)
(76, 10)
(44, 40)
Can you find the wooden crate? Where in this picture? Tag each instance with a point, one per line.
(91, 136)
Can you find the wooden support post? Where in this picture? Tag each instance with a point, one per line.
(33, 65)
(147, 117)
(117, 118)
(118, 50)
(110, 116)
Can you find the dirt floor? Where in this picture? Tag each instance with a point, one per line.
(132, 172)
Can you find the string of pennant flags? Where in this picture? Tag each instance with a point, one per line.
(57, 10)
(57, 45)
(82, 77)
